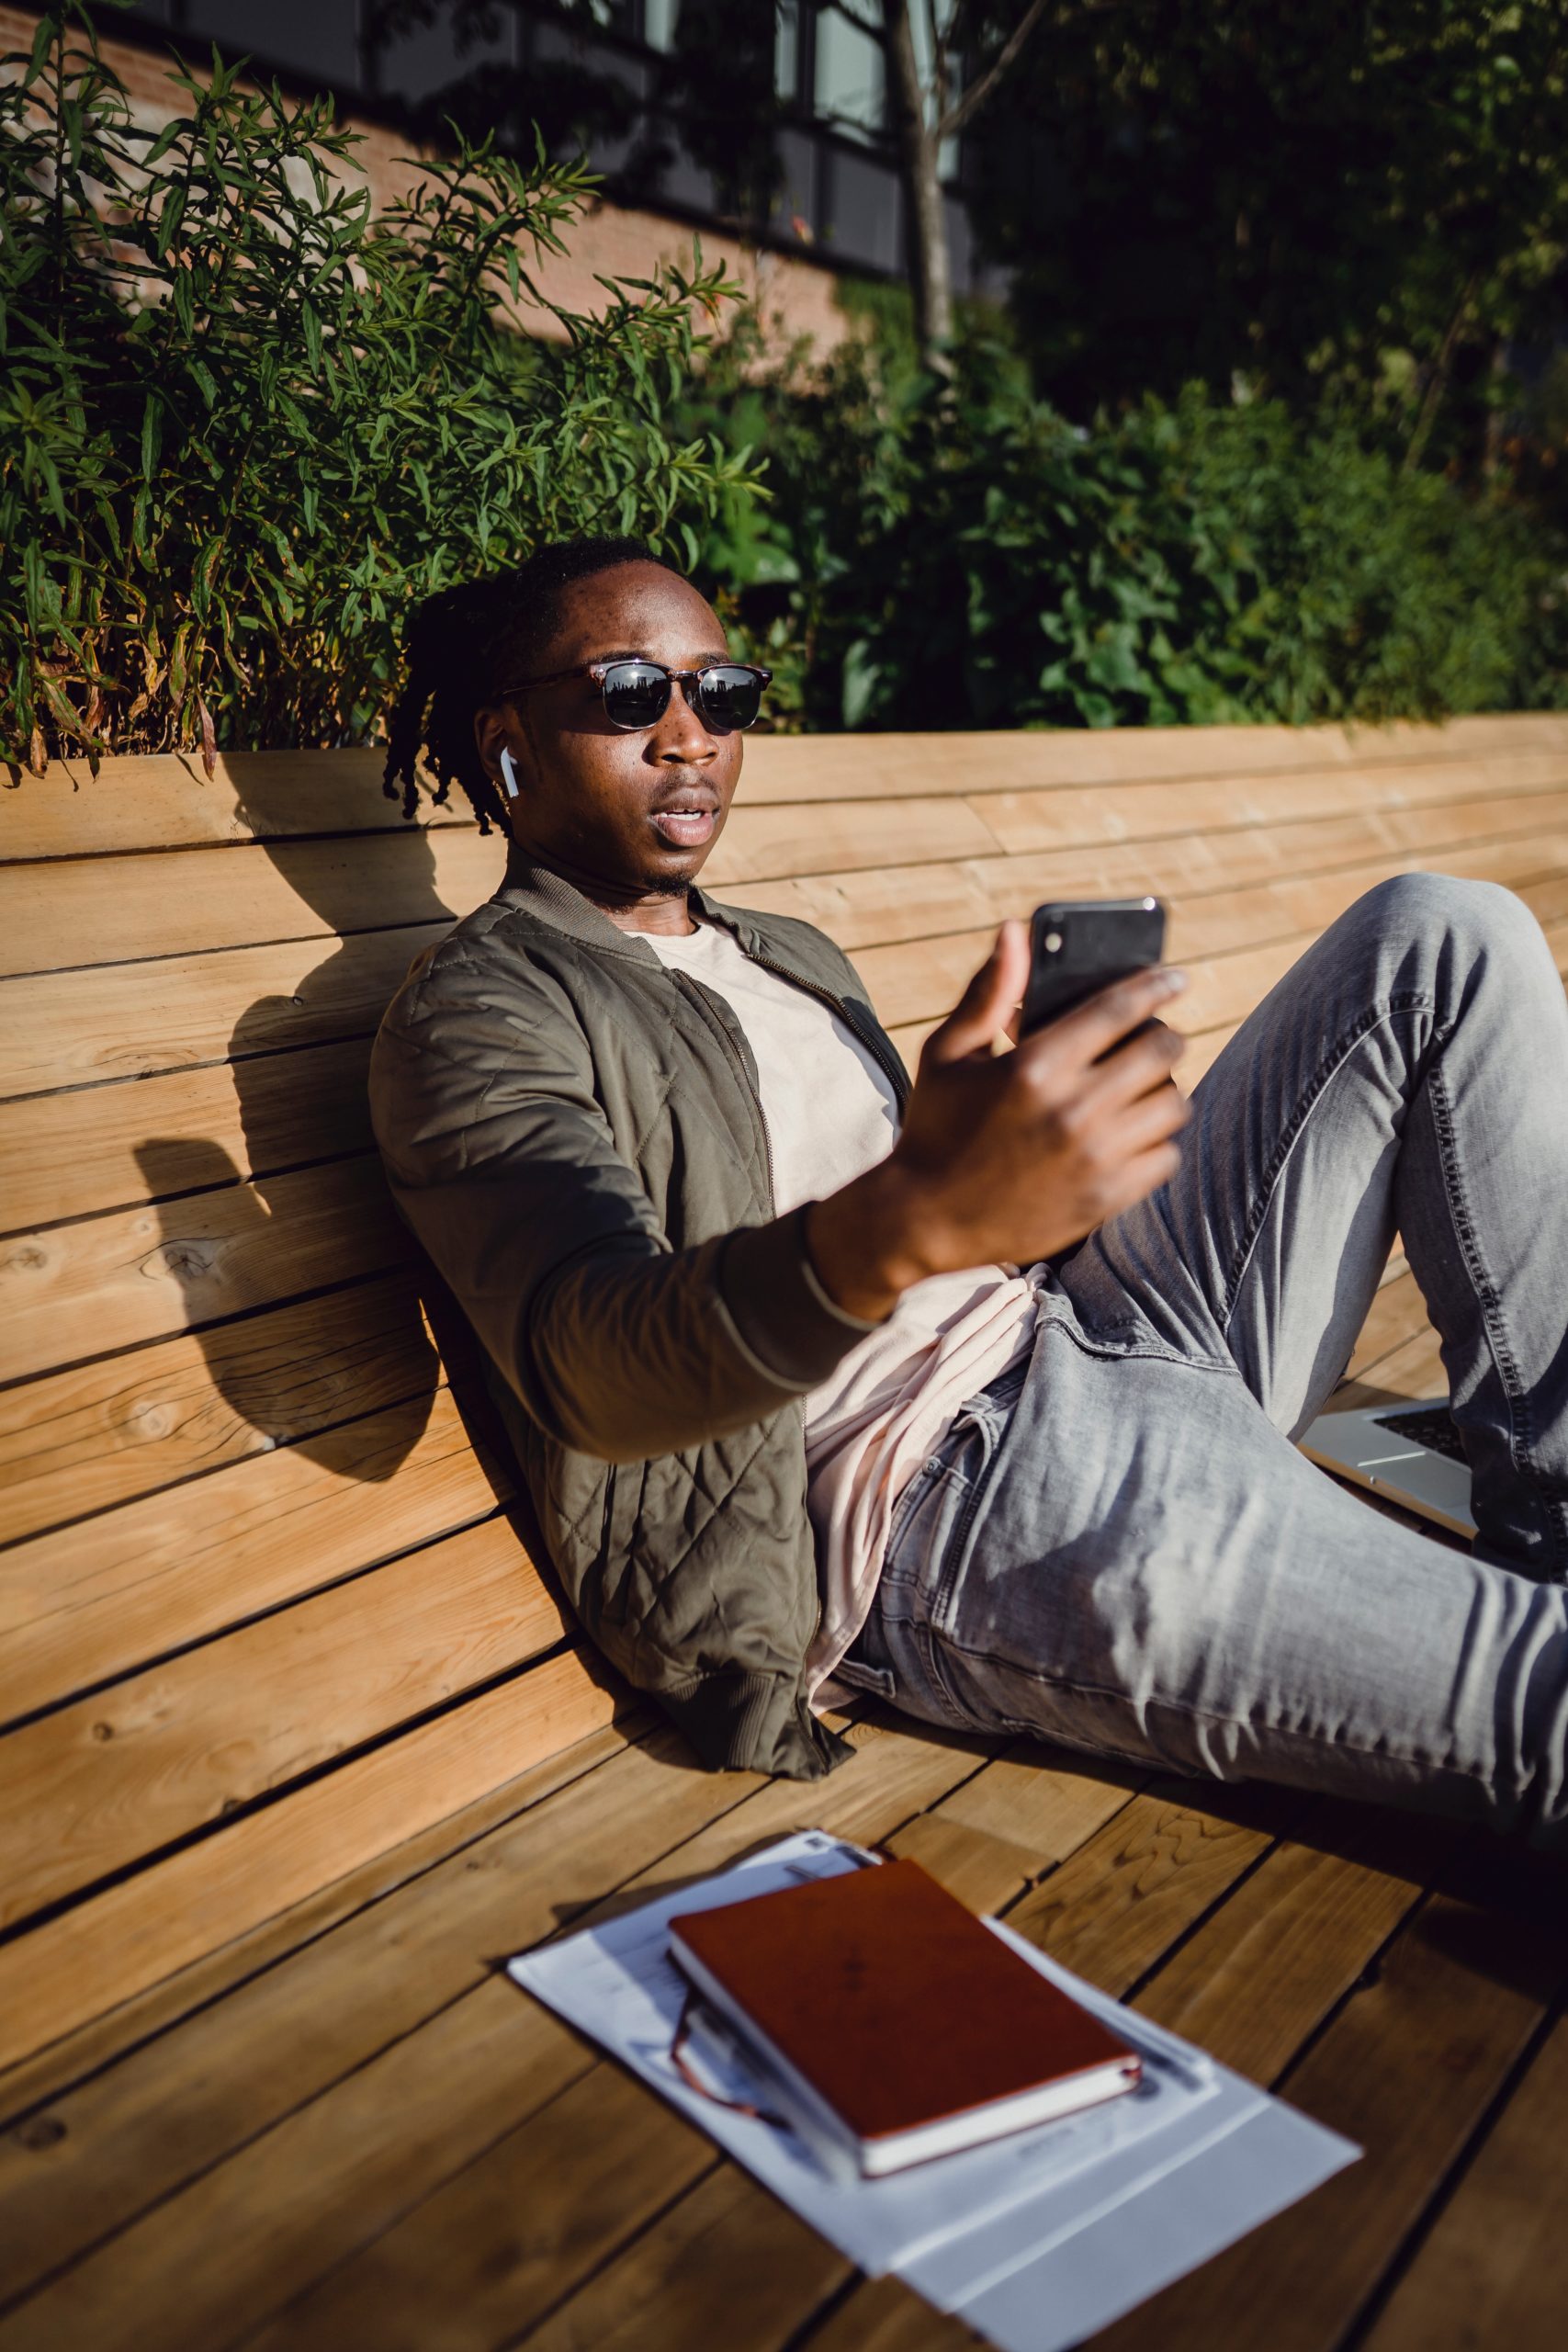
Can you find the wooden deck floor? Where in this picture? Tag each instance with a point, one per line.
(349, 2130)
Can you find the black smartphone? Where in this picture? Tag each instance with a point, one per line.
(1080, 945)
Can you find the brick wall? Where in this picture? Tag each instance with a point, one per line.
(610, 241)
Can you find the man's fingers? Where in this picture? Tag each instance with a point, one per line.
(1136, 1067)
(1143, 1174)
(1097, 1025)
(982, 1011)
(1155, 1119)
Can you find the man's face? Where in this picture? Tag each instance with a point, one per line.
(626, 816)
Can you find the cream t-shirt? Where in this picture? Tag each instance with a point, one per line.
(831, 1114)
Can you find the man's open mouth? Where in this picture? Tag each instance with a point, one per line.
(686, 824)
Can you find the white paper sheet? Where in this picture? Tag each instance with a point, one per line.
(1024, 2236)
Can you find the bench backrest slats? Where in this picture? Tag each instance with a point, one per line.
(262, 1611)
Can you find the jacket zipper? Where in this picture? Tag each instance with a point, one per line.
(684, 981)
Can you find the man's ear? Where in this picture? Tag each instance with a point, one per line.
(502, 750)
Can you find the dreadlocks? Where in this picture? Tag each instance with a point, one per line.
(465, 646)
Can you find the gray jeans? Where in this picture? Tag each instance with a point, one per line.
(1119, 1547)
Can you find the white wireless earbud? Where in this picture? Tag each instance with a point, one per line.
(509, 774)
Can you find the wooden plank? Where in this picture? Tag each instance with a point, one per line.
(57, 916)
(1234, 946)
(114, 1020)
(1189, 867)
(1118, 1902)
(541, 2200)
(165, 801)
(1412, 1369)
(1495, 2269)
(771, 845)
(80, 1442)
(726, 2265)
(1263, 1973)
(104, 2043)
(283, 2036)
(71, 1292)
(247, 2235)
(1407, 2069)
(489, 2280)
(1397, 1314)
(358, 2158)
(881, 905)
(1057, 820)
(73, 1028)
(845, 767)
(99, 1599)
(101, 1147)
(999, 1832)
(884, 2315)
(760, 843)
(114, 1944)
(97, 1785)
(924, 978)
(1227, 921)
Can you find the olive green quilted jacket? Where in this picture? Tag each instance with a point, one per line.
(573, 1132)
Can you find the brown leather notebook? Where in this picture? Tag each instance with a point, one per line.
(895, 2022)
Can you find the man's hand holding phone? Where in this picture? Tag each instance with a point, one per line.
(1010, 1157)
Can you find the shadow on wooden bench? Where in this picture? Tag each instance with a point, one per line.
(300, 1742)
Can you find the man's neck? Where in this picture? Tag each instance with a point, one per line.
(667, 914)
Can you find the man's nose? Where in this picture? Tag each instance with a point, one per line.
(680, 736)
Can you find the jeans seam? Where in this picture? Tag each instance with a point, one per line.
(1521, 1419)
(956, 1551)
(1328, 1069)
(926, 1639)
(1189, 1712)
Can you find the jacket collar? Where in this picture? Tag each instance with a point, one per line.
(535, 890)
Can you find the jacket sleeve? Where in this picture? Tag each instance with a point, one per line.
(503, 1165)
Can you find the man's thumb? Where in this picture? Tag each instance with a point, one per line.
(986, 1007)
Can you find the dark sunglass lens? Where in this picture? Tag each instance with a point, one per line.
(636, 694)
(730, 696)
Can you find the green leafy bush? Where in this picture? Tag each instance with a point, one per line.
(929, 560)
(245, 419)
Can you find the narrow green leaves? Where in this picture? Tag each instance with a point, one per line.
(246, 421)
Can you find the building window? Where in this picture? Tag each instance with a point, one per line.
(849, 84)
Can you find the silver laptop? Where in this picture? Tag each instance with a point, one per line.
(1409, 1454)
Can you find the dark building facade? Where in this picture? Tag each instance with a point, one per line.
(812, 169)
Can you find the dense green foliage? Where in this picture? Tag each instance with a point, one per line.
(1372, 200)
(937, 560)
(245, 420)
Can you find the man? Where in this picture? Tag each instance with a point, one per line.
(979, 1396)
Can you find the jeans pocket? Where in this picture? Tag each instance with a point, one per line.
(921, 1504)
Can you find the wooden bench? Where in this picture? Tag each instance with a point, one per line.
(296, 1742)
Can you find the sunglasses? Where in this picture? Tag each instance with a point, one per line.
(636, 693)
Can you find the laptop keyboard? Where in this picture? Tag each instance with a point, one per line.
(1430, 1425)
